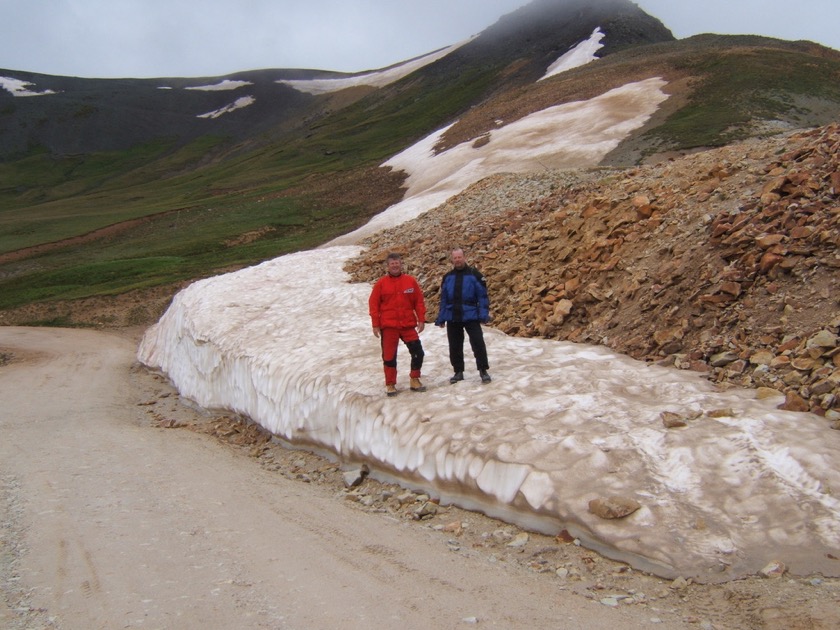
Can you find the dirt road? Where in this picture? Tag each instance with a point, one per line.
(110, 522)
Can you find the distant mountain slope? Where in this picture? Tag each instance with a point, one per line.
(90, 115)
(122, 184)
(93, 115)
(723, 88)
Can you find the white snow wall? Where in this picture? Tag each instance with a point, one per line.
(288, 344)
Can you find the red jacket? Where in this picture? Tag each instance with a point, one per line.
(396, 302)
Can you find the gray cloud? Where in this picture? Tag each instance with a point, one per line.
(814, 20)
(147, 38)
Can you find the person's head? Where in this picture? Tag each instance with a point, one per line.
(394, 264)
(459, 260)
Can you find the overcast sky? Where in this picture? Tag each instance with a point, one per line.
(155, 38)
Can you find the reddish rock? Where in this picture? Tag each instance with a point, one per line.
(768, 261)
(766, 241)
(775, 185)
(790, 344)
(794, 402)
(732, 288)
(835, 182)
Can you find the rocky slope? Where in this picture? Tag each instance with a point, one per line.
(724, 261)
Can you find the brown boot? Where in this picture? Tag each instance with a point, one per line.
(391, 390)
(416, 385)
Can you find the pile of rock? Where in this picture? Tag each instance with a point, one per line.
(724, 261)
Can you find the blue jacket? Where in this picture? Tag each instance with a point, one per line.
(463, 297)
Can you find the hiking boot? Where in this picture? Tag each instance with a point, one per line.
(485, 377)
(391, 390)
(416, 385)
(458, 376)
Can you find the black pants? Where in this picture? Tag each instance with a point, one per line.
(455, 335)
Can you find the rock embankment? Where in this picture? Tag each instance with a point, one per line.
(725, 261)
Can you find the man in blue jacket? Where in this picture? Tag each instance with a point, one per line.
(464, 306)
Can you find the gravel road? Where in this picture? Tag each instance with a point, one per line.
(107, 521)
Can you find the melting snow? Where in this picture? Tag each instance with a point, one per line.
(239, 103)
(580, 55)
(227, 84)
(288, 343)
(379, 78)
(573, 135)
(21, 88)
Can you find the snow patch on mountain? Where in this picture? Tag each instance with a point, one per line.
(580, 55)
(226, 84)
(21, 88)
(380, 78)
(239, 103)
(572, 135)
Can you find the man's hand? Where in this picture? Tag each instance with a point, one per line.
(441, 325)
(375, 331)
(420, 327)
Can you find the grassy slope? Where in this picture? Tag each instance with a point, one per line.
(197, 207)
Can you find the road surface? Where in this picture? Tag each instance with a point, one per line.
(110, 522)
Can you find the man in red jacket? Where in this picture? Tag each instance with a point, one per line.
(398, 312)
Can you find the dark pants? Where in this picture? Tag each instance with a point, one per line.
(455, 335)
